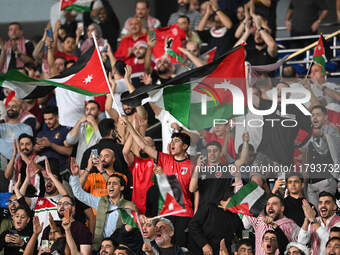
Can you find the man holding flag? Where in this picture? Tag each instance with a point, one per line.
(178, 163)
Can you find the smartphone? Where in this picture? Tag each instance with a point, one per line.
(152, 35)
(49, 33)
(94, 153)
(245, 234)
(282, 176)
(81, 25)
(13, 232)
(44, 244)
(67, 214)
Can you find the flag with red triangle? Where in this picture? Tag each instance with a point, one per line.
(175, 37)
(86, 77)
(322, 53)
(209, 55)
(198, 97)
(76, 5)
(44, 205)
(129, 217)
(171, 201)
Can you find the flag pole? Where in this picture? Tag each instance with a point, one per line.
(168, 214)
(107, 80)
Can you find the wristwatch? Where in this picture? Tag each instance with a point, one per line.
(261, 28)
(314, 221)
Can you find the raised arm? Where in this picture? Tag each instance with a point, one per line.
(148, 55)
(140, 141)
(195, 60)
(66, 223)
(267, 38)
(10, 166)
(205, 18)
(72, 136)
(226, 21)
(128, 155)
(37, 228)
(59, 186)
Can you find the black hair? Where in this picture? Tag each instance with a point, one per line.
(121, 178)
(268, 232)
(105, 126)
(327, 194)
(24, 135)
(289, 72)
(93, 102)
(59, 246)
(119, 66)
(335, 229)
(15, 23)
(214, 143)
(69, 35)
(184, 17)
(296, 174)
(73, 201)
(145, 2)
(23, 208)
(54, 165)
(273, 195)
(127, 249)
(184, 138)
(332, 239)
(50, 109)
(31, 66)
(113, 241)
(250, 148)
(246, 242)
(63, 58)
(322, 108)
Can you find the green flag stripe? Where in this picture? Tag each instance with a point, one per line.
(127, 218)
(21, 80)
(321, 60)
(242, 195)
(174, 54)
(78, 8)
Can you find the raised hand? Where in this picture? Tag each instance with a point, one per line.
(128, 71)
(37, 227)
(74, 167)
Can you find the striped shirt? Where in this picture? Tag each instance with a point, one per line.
(288, 226)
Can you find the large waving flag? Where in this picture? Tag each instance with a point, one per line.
(86, 77)
(249, 200)
(171, 199)
(175, 37)
(200, 96)
(322, 53)
(209, 55)
(76, 5)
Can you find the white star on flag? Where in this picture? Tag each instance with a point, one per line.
(40, 203)
(88, 79)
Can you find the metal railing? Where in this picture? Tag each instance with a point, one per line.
(308, 54)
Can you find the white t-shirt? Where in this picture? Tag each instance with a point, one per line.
(166, 119)
(71, 106)
(319, 94)
(121, 87)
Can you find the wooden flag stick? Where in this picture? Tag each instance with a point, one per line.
(103, 68)
(311, 46)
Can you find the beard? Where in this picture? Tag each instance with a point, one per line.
(132, 111)
(163, 71)
(260, 43)
(12, 114)
(185, 7)
(165, 238)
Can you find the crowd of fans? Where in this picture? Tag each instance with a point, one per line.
(69, 161)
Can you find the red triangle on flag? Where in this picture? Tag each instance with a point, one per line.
(170, 205)
(91, 77)
(65, 3)
(241, 209)
(319, 49)
(231, 71)
(43, 203)
(209, 55)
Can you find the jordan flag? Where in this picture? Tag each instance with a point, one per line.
(249, 200)
(44, 205)
(76, 5)
(322, 53)
(209, 55)
(197, 98)
(129, 217)
(86, 77)
(171, 201)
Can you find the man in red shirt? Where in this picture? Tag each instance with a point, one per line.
(124, 50)
(178, 163)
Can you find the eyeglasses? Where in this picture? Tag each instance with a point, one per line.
(270, 239)
(12, 202)
(64, 204)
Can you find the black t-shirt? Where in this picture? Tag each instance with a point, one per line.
(167, 251)
(80, 212)
(305, 13)
(80, 234)
(293, 210)
(278, 141)
(223, 43)
(25, 234)
(259, 57)
(212, 187)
